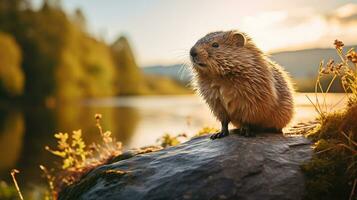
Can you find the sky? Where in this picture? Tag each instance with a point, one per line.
(162, 31)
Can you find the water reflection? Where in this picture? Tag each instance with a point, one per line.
(120, 120)
(23, 148)
(39, 123)
(135, 121)
(11, 138)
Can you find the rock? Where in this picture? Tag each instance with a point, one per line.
(234, 167)
(134, 152)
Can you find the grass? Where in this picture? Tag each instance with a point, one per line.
(13, 172)
(332, 172)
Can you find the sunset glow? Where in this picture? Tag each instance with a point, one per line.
(162, 31)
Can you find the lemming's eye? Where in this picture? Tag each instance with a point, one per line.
(215, 45)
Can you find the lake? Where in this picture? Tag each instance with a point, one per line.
(135, 121)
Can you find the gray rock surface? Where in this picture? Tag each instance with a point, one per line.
(234, 167)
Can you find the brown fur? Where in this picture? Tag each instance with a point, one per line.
(240, 83)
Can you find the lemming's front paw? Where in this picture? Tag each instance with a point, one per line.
(219, 135)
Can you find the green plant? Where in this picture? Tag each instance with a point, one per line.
(78, 158)
(332, 172)
(167, 140)
(207, 130)
(72, 152)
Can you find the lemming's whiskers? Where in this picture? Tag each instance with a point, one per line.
(184, 63)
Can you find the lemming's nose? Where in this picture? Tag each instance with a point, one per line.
(193, 52)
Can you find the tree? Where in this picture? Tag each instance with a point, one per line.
(130, 79)
(11, 74)
(80, 19)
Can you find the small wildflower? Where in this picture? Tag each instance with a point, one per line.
(118, 145)
(330, 66)
(107, 137)
(339, 66)
(62, 140)
(338, 44)
(344, 80)
(93, 147)
(324, 70)
(167, 140)
(352, 56)
(98, 116)
(330, 63)
(207, 130)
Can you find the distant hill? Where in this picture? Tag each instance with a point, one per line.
(301, 64)
(304, 63)
(178, 72)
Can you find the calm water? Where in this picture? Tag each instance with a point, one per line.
(136, 121)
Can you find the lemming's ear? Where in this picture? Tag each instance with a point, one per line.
(239, 38)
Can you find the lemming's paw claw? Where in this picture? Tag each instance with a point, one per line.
(219, 135)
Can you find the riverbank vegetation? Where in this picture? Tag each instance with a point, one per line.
(332, 172)
(48, 56)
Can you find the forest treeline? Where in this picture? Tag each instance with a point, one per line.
(46, 55)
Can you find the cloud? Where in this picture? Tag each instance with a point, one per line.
(284, 30)
(273, 31)
(266, 19)
(344, 15)
(342, 24)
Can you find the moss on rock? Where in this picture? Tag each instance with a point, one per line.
(331, 174)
